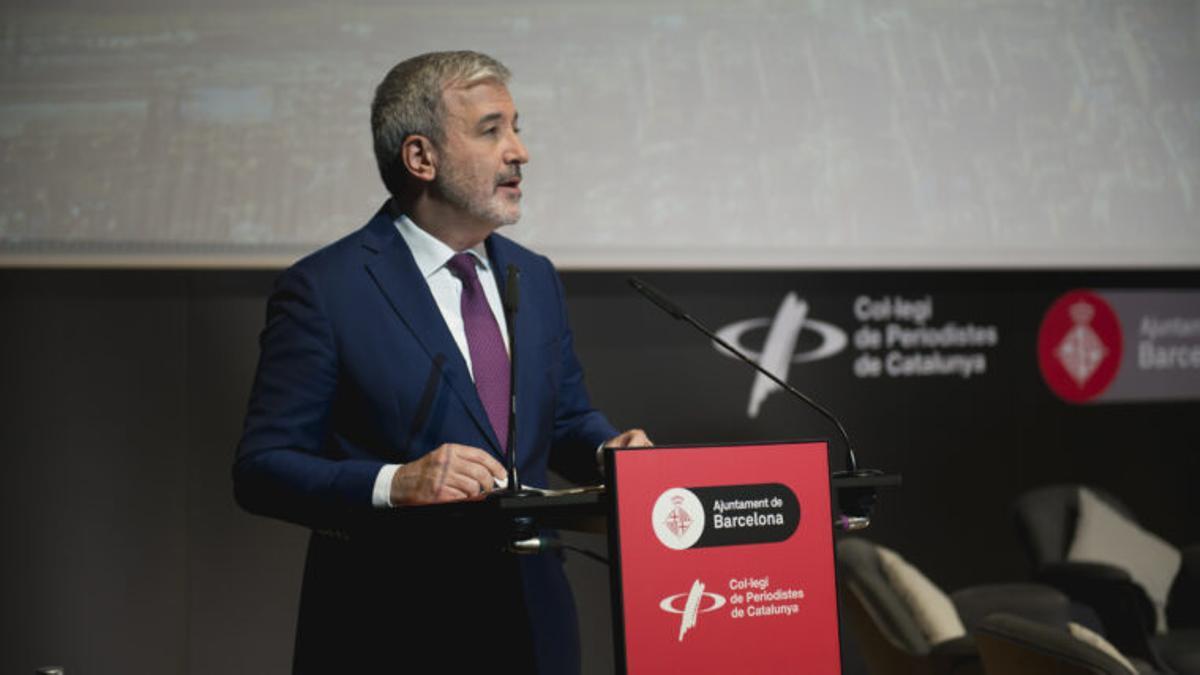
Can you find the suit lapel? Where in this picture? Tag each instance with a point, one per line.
(394, 271)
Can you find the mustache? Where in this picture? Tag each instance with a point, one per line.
(514, 173)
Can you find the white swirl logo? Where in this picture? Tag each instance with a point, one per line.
(779, 349)
(695, 603)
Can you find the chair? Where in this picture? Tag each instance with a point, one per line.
(1085, 542)
(905, 625)
(1010, 645)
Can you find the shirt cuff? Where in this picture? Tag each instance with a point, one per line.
(381, 496)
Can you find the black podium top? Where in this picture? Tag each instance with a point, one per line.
(579, 509)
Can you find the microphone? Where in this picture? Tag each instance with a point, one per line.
(511, 300)
(665, 304)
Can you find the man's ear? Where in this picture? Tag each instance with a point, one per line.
(419, 157)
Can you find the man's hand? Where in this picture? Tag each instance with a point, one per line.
(634, 438)
(451, 472)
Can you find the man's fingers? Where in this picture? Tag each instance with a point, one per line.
(636, 437)
(449, 493)
(480, 475)
(629, 439)
(482, 458)
(463, 483)
(448, 473)
(470, 470)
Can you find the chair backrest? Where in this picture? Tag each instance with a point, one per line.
(862, 576)
(1011, 644)
(1046, 519)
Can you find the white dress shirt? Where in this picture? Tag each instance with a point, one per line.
(431, 256)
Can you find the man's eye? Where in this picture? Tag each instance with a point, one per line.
(516, 130)
(490, 131)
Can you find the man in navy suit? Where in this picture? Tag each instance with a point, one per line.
(381, 384)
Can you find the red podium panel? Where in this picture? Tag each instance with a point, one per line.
(723, 559)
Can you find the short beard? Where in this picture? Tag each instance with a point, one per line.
(450, 184)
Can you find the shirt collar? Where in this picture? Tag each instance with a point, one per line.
(430, 253)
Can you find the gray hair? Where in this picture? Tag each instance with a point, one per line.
(409, 101)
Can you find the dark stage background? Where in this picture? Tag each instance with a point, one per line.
(123, 391)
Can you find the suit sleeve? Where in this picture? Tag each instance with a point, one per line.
(281, 469)
(578, 427)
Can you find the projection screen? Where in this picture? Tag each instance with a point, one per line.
(739, 133)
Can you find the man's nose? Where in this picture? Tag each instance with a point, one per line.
(516, 153)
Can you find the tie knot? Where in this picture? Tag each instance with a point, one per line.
(462, 265)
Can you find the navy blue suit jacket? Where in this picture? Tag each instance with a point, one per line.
(358, 369)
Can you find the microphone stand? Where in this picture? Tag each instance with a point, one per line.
(511, 300)
(523, 539)
(861, 499)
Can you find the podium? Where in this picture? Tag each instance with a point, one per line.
(721, 556)
(722, 559)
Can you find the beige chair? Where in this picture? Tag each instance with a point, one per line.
(1146, 593)
(904, 625)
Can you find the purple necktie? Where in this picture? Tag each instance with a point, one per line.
(489, 358)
